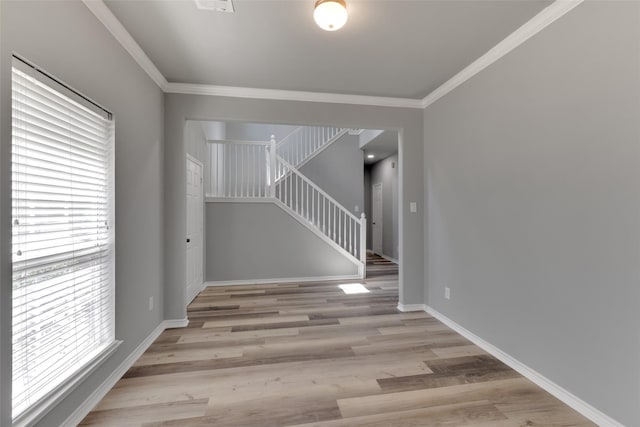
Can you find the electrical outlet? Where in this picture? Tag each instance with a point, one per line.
(447, 292)
(150, 303)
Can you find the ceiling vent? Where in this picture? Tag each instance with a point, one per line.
(217, 5)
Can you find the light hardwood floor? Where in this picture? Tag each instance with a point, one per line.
(308, 355)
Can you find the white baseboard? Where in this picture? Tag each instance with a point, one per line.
(283, 280)
(543, 382)
(411, 307)
(98, 394)
(193, 291)
(176, 323)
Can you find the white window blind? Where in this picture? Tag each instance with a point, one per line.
(63, 238)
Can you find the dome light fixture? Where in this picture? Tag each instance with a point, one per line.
(330, 15)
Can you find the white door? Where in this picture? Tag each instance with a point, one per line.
(195, 228)
(376, 218)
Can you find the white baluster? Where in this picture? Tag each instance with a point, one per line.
(313, 204)
(340, 236)
(308, 201)
(315, 139)
(243, 171)
(258, 171)
(297, 195)
(324, 217)
(343, 220)
(348, 233)
(272, 163)
(354, 247)
(235, 171)
(336, 224)
(222, 164)
(251, 169)
(363, 243)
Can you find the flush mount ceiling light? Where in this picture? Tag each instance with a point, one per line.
(330, 15)
(370, 156)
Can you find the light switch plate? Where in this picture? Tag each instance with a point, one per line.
(413, 207)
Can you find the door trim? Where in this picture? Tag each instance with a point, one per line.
(193, 291)
(381, 219)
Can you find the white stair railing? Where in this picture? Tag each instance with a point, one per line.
(304, 142)
(240, 169)
(252, 169)
(320, 210)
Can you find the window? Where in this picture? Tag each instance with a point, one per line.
(62, 240)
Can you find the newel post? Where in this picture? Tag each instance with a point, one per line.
(363, 244)
(272, 165)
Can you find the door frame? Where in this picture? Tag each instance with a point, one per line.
(381, 219)
(191, 293)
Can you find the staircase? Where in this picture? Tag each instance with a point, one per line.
(304, 143)
(271, 170)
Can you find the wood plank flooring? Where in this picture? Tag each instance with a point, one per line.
(306, 354)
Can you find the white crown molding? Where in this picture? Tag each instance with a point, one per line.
(547, 16)
(532, 27)
(543, 382)
(291, 95)
(109, 20)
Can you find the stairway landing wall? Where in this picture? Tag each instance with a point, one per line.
(250, 241)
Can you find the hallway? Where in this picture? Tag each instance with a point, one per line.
(309, 354)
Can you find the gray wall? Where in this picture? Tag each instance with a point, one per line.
(261, 241)
(339, 171)
(179, 108)
(238, 131)
(195, 141)
(214, 130)
(386, 172)
(534, 210)
(68, 41)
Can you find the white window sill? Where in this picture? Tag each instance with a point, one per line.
(44, 405)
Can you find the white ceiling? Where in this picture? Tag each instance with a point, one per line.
(396, 48)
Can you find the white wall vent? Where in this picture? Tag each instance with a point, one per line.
(217, 5)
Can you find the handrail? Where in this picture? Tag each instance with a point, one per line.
(254, 170)
(328, 217)
(312, 184)
(289, 135)
(304, 142)
(230, 141)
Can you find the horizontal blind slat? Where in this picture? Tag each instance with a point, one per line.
(62, 238)
(21, 79)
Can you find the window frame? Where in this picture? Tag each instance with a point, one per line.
(47, 402)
